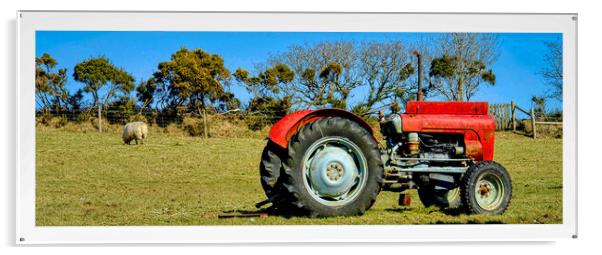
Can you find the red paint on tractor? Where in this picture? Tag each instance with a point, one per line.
(279, 131)
(283, 130)
(425, 107)
(466, 118)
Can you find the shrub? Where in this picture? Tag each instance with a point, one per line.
(51, 121)
(138, 117)
(257, 122)
(268, 111)
(173, 129)
(193, 126)
(57, 122)
(106, 125)
(83, 116)
(220, 126)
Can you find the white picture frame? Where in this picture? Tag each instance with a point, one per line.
(28, 22)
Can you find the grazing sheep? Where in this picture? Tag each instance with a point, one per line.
(135, 131)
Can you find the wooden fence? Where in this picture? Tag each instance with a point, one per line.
(505, 117)
(502, 113)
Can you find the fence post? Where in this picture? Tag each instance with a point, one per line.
(513, 116)
(205, 123)
(99, 118)
(533, 123)
(506, 116)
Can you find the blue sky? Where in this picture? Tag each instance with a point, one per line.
(516, 69)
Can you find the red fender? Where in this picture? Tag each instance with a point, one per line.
(282, 132)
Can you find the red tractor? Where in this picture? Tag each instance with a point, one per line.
(328, 162)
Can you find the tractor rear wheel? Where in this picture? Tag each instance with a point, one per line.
(440, 198)
(486, 187)
(269, 171)
(332, 167)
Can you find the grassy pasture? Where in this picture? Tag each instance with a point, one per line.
(92, 179)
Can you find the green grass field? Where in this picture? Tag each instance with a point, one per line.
(92, 179)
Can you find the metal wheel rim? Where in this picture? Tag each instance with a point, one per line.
(310, 173)
(489, 191)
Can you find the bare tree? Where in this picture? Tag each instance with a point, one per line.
(325, 73)
(427, 46)
(463, 64)
(552, 73)
(384, 68)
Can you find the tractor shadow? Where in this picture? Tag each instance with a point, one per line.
(429, 210)
(475, 222)
(452, 211)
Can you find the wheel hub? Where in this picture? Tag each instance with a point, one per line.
(335, 171)
(484, 189)
(489, 192)
(332, 172)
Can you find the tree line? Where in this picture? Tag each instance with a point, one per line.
(324, 74)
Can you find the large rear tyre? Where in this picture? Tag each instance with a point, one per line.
(332, 167)
(486, 188)
(440, 198)
(269, 171)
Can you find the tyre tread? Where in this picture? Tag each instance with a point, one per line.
(296, 198)
(471, 175)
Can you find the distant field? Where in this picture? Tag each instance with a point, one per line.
(92, 179)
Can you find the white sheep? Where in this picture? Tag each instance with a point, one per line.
(135, 131)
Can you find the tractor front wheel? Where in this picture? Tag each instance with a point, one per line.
(486, 188)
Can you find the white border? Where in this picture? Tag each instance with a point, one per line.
(30, 21)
